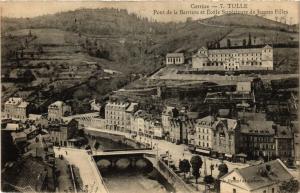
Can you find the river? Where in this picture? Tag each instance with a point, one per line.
(129, 181)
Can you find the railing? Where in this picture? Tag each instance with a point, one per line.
(167, 172)
(98, 173)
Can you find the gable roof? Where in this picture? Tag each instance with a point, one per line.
(258, 176)
(12, 126)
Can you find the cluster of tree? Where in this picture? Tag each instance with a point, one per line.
(105, 21)
(195, 164)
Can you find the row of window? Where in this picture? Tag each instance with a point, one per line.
(174, 59)
(252, 63)
(264, 191)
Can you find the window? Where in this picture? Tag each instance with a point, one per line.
(233, 190)
(233, 178)
(264, 191)
(273, 190)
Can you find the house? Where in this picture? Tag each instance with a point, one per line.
(284, 142)
(19, 137)
(262, 178)
(94, 105)
(233, 59)
(16, 108)
(158, 130)
(115, 115)
(61, 133)
(13, 127)
(179, 129)
(140, 122)
(174, 58)
(257, 139)
(129, 112)
(168, 113)
(217, 136)
(57, 110)
(31, 132)
(243, 87)
(34, 117)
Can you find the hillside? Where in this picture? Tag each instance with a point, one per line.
(127, 42)
(91, 21)
(242, 20)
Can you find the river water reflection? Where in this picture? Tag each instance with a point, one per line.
(130, 181)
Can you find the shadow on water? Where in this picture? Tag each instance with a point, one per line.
(134, 177)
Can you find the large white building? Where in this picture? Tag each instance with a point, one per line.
(262, 178)
(235, 59)
(58, 110)
(16, 109)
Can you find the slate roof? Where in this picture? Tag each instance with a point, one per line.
(258, 127)
(258, 176)
(175, 55)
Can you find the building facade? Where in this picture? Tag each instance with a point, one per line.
(129, 112)
(258, 139)
(217, 136)
(174, 58)
(180, 128)
(233, 59)
(262, 178)
(16, 109)
(284, 142)
(61, 133)
(58, 110)
(115, 115)
(168, 114)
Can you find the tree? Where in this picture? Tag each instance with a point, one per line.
(228, 43)
(291, 186)
(184, 166)
(223, 169)
(208, 179)
(196, 163)
(244, 42)
(249, 40)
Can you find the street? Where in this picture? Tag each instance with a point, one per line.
(177, 152)
(88, 171)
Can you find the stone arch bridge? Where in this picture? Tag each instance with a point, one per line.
(123, 160)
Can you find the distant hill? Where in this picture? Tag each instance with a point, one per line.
(135, 44)
(106, 21)
(242, 20)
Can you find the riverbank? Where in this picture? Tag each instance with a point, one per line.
(123, 141)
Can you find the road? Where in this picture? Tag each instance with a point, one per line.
(89, 173)
(177, 152)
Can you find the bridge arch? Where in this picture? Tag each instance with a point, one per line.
(104, 164)
(123, 163)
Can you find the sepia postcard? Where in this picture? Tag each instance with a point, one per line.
(150, 96)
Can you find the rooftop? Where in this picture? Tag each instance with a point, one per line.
(131, 107)
(57, 104)
(174, 55)
(264, 174)
(14, 101)
(12, 127)
(258, 127)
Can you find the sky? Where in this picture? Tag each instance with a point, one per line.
(158, 9)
